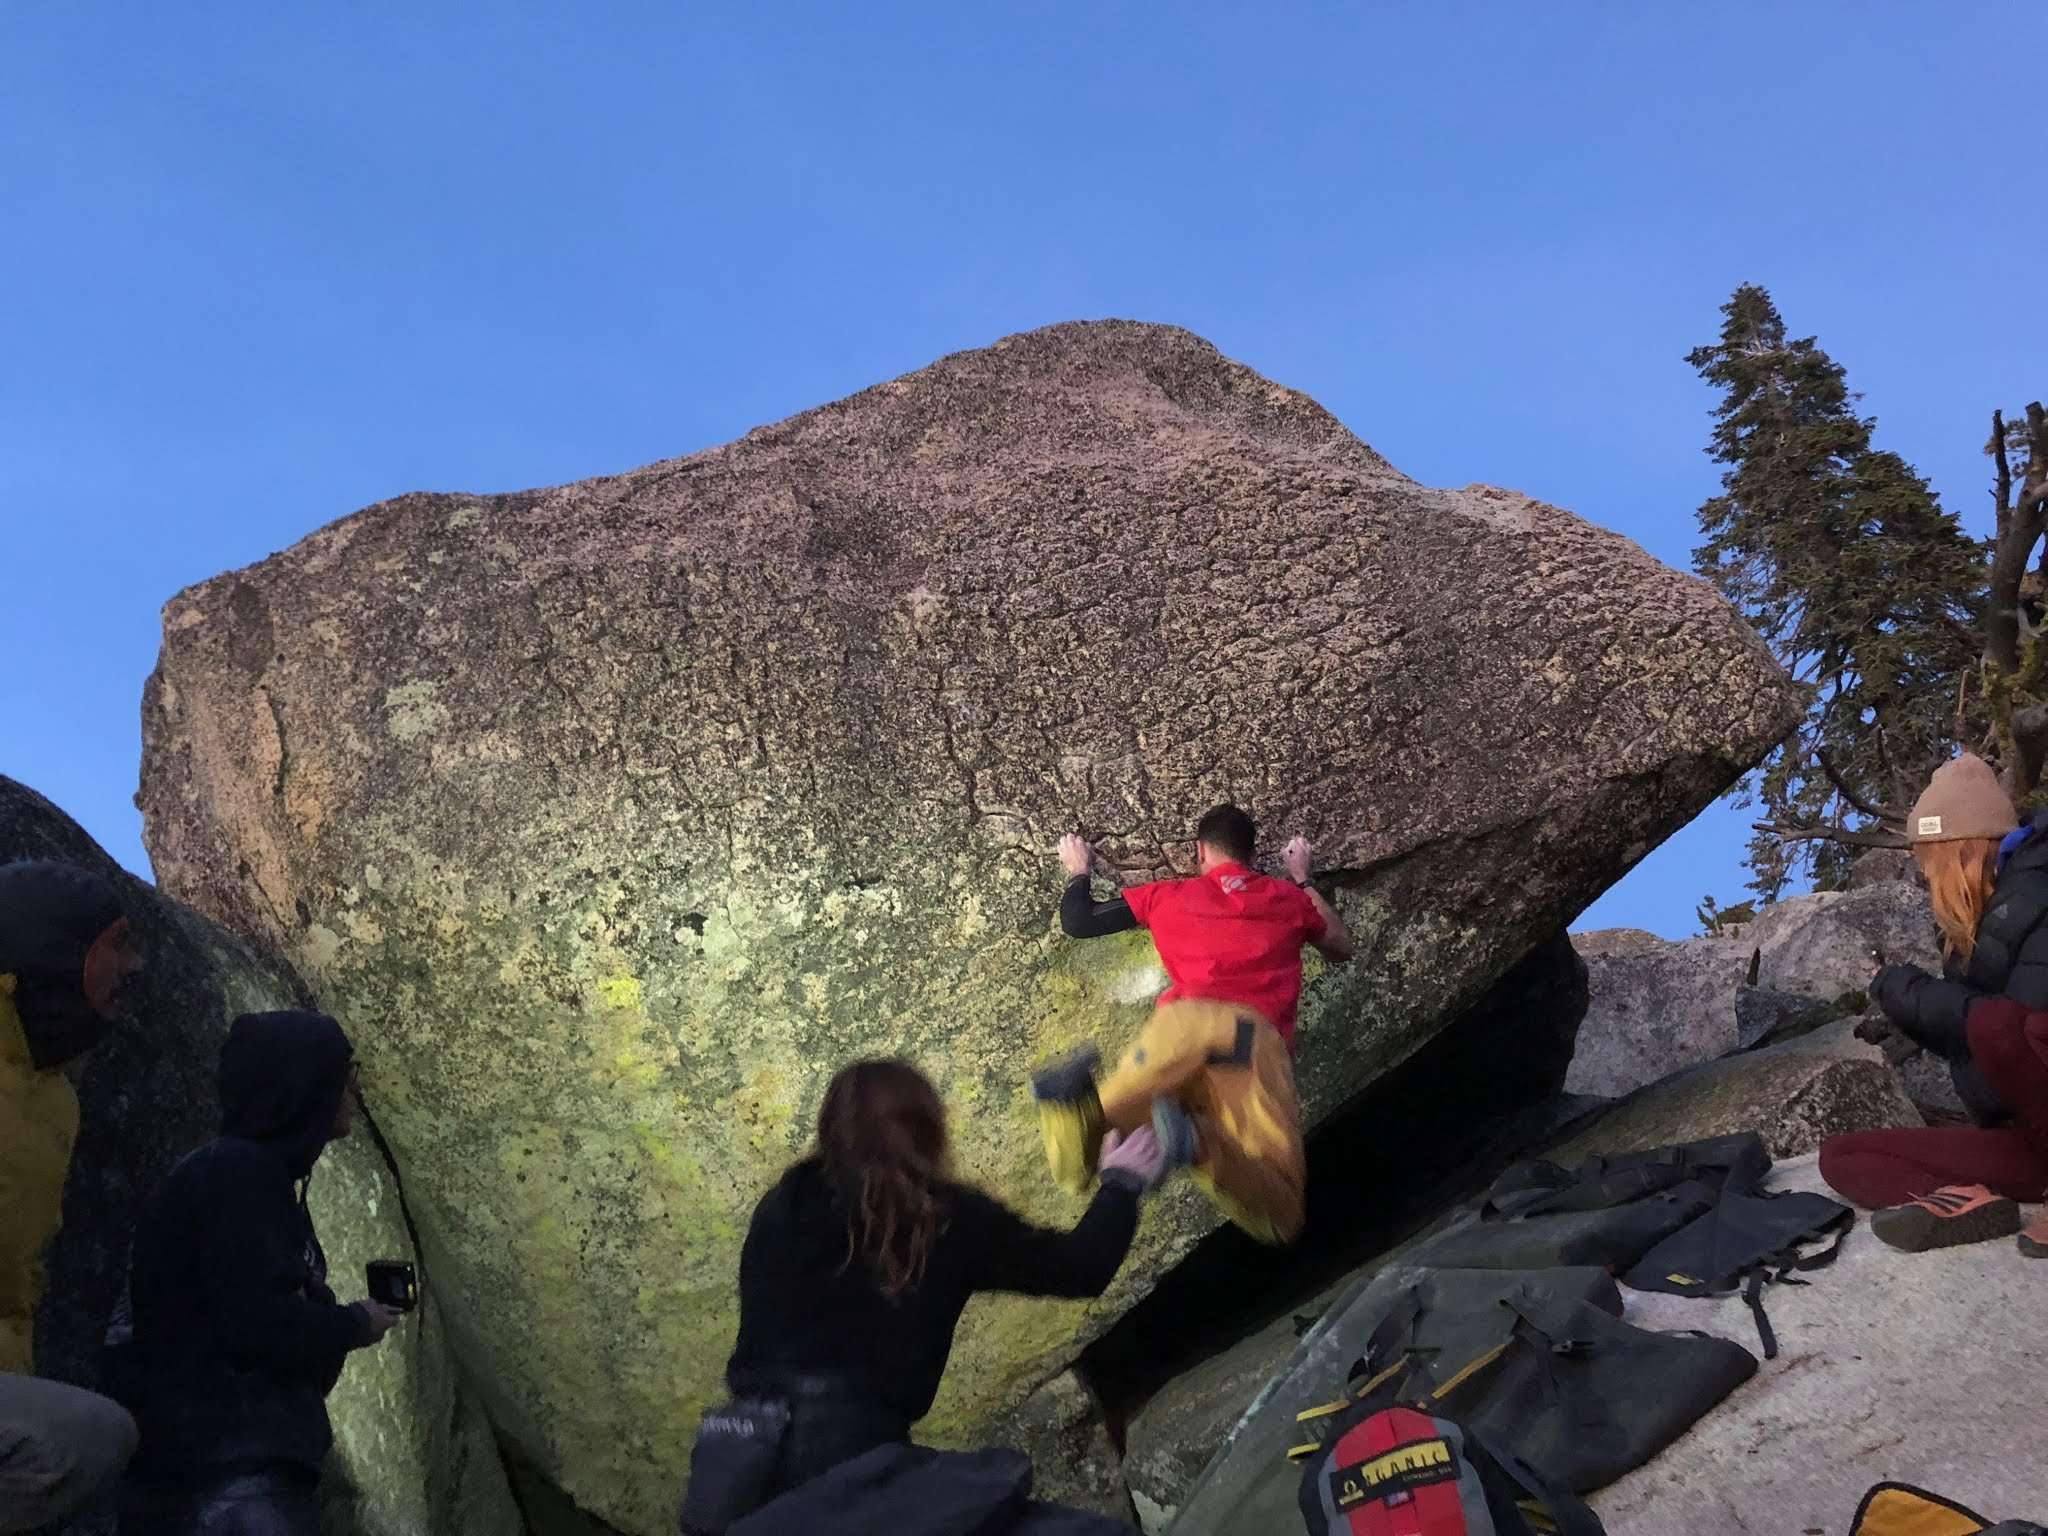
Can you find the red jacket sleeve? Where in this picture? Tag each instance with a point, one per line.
(1143, 900)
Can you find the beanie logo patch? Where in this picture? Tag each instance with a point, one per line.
(1930, 826)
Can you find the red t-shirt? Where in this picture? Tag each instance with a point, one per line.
(1233, 936)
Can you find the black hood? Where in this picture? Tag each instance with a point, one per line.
(281, 1080)
(50, 912)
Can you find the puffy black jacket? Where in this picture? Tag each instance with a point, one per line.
(2010, 960)
(234, 1339)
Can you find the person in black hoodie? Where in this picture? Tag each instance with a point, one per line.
(854, 1273)
(232, 1339)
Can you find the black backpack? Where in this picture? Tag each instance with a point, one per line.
(1745, 1241)
(1689, 1220)
(1607, 1212)
(1557, 1382)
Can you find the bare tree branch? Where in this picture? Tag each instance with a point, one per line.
(2010, 552)
(1789, 833)
(1875, 812)
(2001, 489)
(2034, 494)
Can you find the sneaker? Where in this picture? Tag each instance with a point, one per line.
(1961, 1213)
(1177, 1136)
(2034, 1237)
(1070, 1118)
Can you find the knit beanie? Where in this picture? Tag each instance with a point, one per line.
(1964, 799)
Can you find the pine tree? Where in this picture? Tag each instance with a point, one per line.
(1865, 589)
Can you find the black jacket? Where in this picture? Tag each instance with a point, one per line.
(2010, 960)
(805, 1310)
(234, 1339)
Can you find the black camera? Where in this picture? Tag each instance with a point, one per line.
(393, 1283)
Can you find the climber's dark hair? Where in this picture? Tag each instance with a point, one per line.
(882, 1140)
(1229, 831)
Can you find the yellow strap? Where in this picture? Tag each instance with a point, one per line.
(1321, 1413)
(1480, 1364)
(1366, 1389)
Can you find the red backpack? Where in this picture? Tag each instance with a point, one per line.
(1405, 1471)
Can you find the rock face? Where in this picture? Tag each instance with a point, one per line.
(1894, 1367)
(1794, 1095)
(616, 816)
(1659, 1006)
(413, 1451)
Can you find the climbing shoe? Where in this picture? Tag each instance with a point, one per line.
(1070, 1118)
(2034, 1237)
(1178, 1139)
(1961, 1213)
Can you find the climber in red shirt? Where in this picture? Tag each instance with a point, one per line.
(1212, 1071)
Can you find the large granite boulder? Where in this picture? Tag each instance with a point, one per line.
(413, 1451)
(1658, 1006)
(615, 817)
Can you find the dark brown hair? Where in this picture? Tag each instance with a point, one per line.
(1230, 832)
(882, 1140)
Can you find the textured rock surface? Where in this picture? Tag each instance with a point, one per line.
(1767, 1017)
(1794, 1095)
(1186, 1424)
(617, 815)
(413, 1452)
(1659, 1006)
(1820, 944)
(1656, 1007)
(1893, 1367)
(1879, 866)
(1060, 1427)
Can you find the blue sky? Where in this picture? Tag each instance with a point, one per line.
(266, 264)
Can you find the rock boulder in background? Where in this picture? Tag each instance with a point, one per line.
(1659, 1006)
(413, 1452)
(615, 817)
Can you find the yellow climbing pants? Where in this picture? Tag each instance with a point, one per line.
(1230, 1070)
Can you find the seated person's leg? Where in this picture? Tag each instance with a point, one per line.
(1876, 1169)
(59, 1446)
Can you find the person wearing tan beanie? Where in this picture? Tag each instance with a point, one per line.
(1963, 802)
(1987, 880)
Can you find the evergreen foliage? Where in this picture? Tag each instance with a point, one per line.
(1864, 587)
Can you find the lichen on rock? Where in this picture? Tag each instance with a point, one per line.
(614, 817)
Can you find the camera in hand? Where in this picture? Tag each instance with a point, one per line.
(393, 1283)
